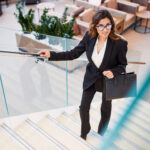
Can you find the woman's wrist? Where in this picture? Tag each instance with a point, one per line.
(49, 55)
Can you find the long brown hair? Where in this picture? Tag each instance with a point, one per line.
(101, 14)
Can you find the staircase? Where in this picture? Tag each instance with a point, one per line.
(60, 129)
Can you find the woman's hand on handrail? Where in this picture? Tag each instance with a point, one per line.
(45, 53)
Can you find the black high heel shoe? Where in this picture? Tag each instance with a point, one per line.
(83, 136)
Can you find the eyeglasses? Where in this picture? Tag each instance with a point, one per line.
(101, 27)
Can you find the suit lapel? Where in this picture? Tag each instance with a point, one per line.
(107, 54)
(91, 45)
(92, 42)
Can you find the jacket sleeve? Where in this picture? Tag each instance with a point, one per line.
(121, 59)
(72, 54)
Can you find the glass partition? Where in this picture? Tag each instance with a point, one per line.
(4, 112)
(32, 84)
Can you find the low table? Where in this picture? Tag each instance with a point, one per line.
(59, 15)
(143, 15)
(44, 5)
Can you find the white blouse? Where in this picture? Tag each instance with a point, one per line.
(98, 58)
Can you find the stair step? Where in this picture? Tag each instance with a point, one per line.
(94, 126)
(136, 136)
(69, 123)
(141, 108)
(123, 144)
(137, 117)
(133, 118)
(69, 131)
(8, 142)
(75, 128)
(134, 127)
(130, 125)
(31, 135)
(78, 122)
(145, 104)
(140, 115)
(61, 135)
(141, 144)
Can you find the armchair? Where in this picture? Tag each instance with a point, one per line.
(73, 10)
(87, 4)
(82, 27)
(86, 17)
(124, 6)
(143, 4)
(84, 4)
(129, 10)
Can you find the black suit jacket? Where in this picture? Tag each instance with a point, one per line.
(114, 59)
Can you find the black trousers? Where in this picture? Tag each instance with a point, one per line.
(87, 97)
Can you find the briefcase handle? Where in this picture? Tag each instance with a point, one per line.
(115, 77)
(123, 74)
(128, 72)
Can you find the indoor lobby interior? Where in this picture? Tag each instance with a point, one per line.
(39, 100)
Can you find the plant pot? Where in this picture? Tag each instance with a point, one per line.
(39, 36)
(54, 40)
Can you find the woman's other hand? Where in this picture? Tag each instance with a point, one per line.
(108, 74)
(44, 53)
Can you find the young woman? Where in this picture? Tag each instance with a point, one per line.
(106, 53)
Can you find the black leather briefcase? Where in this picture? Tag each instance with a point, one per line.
(121, 86)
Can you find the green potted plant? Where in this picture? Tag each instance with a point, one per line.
(25, 20)
(52, 25)
(39, 32)
(49, 25)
